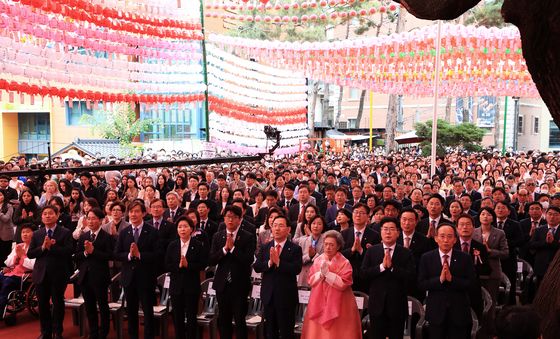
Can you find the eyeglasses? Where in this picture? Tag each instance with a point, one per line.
(359, 212)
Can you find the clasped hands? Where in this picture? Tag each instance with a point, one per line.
(134, 252)
(445, 274)
(47, 243)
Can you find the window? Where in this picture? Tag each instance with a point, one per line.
(535, 125)
(342, 124)
(34, 126)
(354, 93)
(352, 123)
(520, 124)
(554, 137)
(75, 112)
(172, 123)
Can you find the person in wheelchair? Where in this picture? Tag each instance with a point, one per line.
(17, 264)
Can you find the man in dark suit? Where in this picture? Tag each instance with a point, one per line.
(447, 275)
(456, 192)
(174, 210)
(138, 250)
(185, 258)
(469, 189)
(232, 250)
(357, 240)
(328, 200)
(167, 231)
(203, 189)
(95, 249)
(210, 227)
(514, 238)
(529, 227)
(280, 262)
(252, 188)
(271, 198)
(52, 247)
(314, 193)
(434, 205)
(340, 198)
(246, 225)
(416, 242)
(388, 268)
(545, 242)
(479, 256)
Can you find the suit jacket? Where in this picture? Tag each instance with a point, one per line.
(167, 232)
(544, 252)
(185, 280)
(447, 301)
(499, 249)
(293, 213)
(482, 269)
(180, 211)
(142, 271)
(524, 251)
(318, 197)
(387, 289)
(280, 283)
(210, 228)
(245, 225)
(56, 262)
(514, 237)
(238, 261)
(419, 244)
(95, 266)
(323, 206)
(214, 213)
(331, 212)
(370, 237)
(424, 224)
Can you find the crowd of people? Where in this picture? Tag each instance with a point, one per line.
(336, 223)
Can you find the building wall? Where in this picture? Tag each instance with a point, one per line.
(61, 133)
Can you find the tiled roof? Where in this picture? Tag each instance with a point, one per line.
(97, 148)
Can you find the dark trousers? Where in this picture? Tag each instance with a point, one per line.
(185, 306)
(51, 320)
(232, 305)
(137, 293)
(279, 320)
(384, 326)
(7, 285)
(94, 296)
(5, 250)
(448, 330)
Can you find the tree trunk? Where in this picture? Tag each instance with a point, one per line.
(497, 124)
(448, 109)
(361, 108)
(547, 300)
(339, 107)
(314, 95)
(326, 105)
(391, 122)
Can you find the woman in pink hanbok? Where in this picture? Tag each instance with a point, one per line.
(332, 311)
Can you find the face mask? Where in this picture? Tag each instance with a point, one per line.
(424, 175)
(544, 205)
(544, 191)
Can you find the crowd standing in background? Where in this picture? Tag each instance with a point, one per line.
(337, 223)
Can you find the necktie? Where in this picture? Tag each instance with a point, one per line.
(433, 223)
(172, 214)
(358, 234)
(445, 261)
(278, 248)
(388, 250)
(92, 237)
(49, 233)
(466, 247)
(551, 230)
(136, 234)
(407, 242)
(501, 225)
(202, 224)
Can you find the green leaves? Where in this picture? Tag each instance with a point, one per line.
(465, 135)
